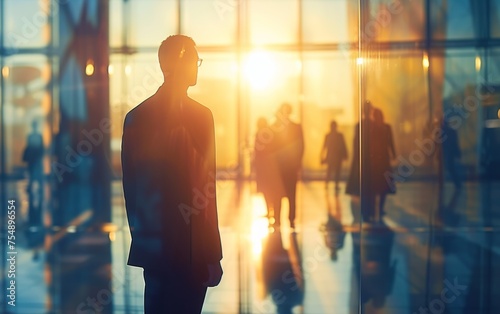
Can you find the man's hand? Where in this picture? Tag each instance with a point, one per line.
(214, 275)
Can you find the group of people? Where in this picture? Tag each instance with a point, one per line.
(279, 148)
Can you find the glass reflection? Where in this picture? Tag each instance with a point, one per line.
(374, 267)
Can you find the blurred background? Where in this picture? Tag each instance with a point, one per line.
(72, 69)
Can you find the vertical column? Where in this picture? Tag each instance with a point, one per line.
(3, 187)
(81, 251)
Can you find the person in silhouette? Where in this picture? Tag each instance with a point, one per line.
(364, 189)
(33, 157)
(449, 159)
(382, 154)
(451, 152)
(168, 161)
(334, 152)
(289, 149)
(267, 175)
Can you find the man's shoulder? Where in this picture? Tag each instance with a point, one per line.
(197, 108)
(139, 112)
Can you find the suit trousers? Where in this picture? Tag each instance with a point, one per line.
(172, 293)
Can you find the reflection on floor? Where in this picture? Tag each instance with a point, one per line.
(413, 261)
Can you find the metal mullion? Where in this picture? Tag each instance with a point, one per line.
(3, 199)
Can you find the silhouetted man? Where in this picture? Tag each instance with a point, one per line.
(333, 153)
(168, 160)
(33, 157)
(363, 189)
(289, 146)
(451, 152)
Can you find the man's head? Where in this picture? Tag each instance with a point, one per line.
(179, 60)
(333, 125)
(34, 125)
(367, 109)
(284, 110)
(378, 115)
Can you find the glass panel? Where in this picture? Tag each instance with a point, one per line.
(26, 23)
(319, 27)
(451, 19)
(151, 21)
(394, 83)
(209, 22)
(436, 109)
(395, 20)
(263, 26)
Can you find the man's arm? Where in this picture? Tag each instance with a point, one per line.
(301, 143)
(128, 173)
(324, 150)
(213, 251)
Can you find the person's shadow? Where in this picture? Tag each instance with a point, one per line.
(282, 272)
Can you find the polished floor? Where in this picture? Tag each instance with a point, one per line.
(411, 260)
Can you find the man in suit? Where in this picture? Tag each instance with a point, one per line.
(333, 153)
(289, 149)
(168, 161)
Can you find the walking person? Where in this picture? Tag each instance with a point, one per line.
(33, 156)
(289, 141)
(383, 153)
(267, 175)
(333, 153)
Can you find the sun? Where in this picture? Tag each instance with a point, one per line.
(259, 69)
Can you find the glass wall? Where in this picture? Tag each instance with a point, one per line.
(409, 224)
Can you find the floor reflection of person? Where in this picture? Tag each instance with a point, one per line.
(33, 156)
(267, 174)
(168, 161)
(333, 153)
(374, 267)
(333, 230)
(289, 141)
(382, 154)
(282, 276)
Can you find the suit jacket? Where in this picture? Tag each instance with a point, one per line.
(289, 147)
(336, 150)
(168, 162)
